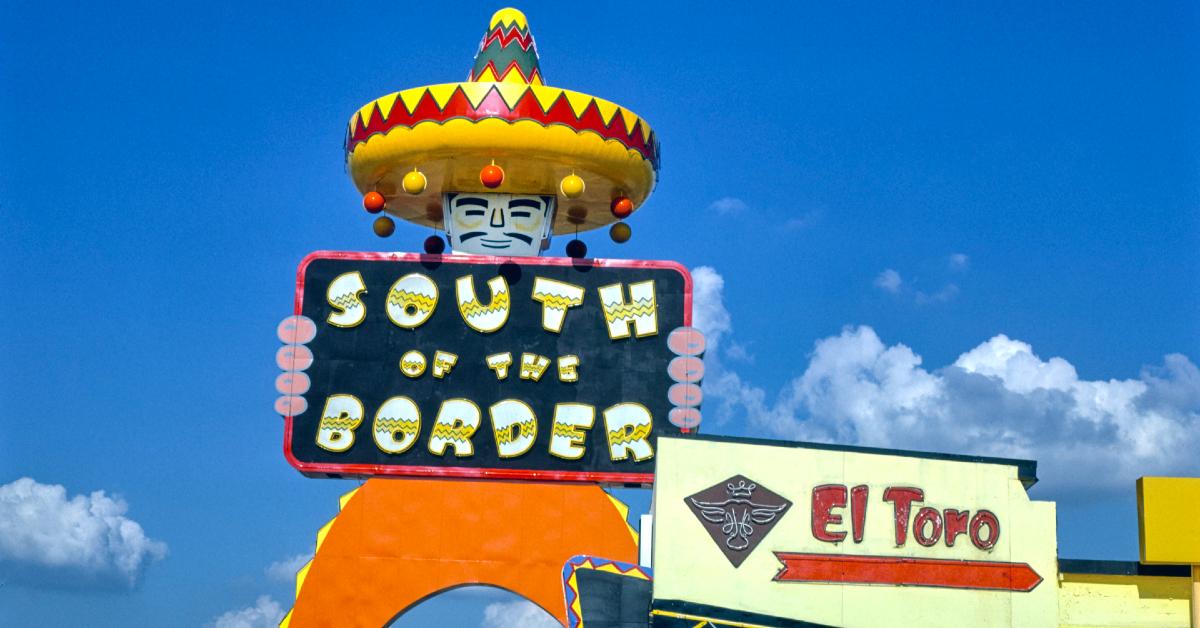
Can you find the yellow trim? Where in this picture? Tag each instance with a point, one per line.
(323, 532)
(442, 93)
(385, 105)
(578, 102)
(512, 92)
(624, 510)
(607, 110)
(301, 575)
(546, 97)
(704, 620)
(475, 92)
(345, 499)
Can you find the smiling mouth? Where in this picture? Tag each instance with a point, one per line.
(495, 244)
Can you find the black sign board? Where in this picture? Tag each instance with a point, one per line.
(472, 366)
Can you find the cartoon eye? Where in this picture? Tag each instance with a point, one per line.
(519, 214)
(471, 200)
(473, 212)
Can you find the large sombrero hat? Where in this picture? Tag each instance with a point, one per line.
(503, 130)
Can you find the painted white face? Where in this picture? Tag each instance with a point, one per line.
(510, 225)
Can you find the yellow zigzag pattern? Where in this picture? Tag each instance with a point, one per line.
(623, 311)
(389, 426)
(566, 431)
(528, 428)
(510, 92)
(474, 308)
(620, 437)
(557, 302)
(339, 423)
(346, 301)
(403, 297)
(458, 433)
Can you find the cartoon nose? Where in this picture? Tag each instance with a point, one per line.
(497, 217)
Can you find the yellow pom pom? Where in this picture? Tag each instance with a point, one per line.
(572, 186)
(414, 182)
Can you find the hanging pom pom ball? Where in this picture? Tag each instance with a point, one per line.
(576, 249)
(384, 226)
(491, 176)
(414, 182)
(434, 245)
(572, 186)
(373, 202)
(622, 207)
(620, 233)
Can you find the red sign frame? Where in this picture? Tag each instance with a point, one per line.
(358, 470)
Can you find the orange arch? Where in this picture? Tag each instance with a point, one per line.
(397, 542)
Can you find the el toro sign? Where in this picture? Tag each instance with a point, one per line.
(848, 536)
(472, 366)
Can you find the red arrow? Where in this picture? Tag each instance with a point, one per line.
(922, 572)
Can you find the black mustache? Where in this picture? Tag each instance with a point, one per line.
(475, 234)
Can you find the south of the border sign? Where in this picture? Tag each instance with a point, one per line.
(475, 366)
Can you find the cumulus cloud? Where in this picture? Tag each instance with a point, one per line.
(266, 613)
(519, 614)
(285, 570)
(958, 261)
(889, 281)
(86, 541)
(999, 398)
(728, 205)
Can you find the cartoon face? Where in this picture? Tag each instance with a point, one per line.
(509, 225)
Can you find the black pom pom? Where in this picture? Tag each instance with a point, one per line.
(576, 249)
(435, 245)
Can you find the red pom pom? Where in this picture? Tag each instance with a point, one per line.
(373, 202)
(491, 176)
(622, 207)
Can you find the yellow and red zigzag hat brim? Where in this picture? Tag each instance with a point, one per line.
(538, 134)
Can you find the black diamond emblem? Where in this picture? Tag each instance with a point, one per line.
(738, 514)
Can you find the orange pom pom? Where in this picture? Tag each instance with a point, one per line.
(491, 176)
(622, 207)
(373, 202)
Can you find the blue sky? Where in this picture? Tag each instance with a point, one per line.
(901, 184)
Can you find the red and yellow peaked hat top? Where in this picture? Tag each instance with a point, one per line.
(600, 159)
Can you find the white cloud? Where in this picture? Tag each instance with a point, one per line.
(803, 221)
(266, 613)
(519, 614)
(285, 570)
(889, 281)
(948, 291)
(958, 261)
(998, 398)
(87, 541)
(728, 205)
